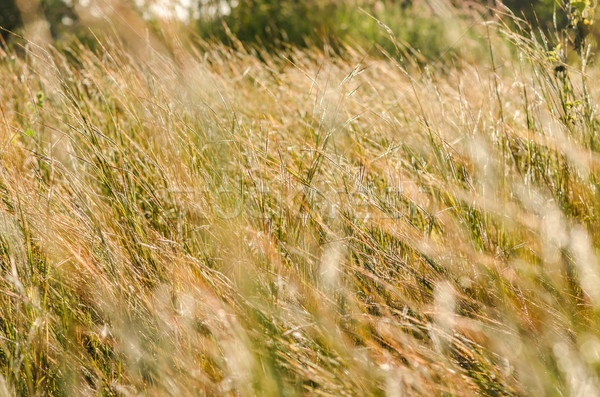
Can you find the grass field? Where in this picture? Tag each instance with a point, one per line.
(224, 221)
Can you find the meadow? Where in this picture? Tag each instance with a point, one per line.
(198, 218)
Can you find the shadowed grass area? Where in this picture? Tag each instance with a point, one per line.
(229, 222)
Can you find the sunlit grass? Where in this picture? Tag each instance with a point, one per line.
(240, 223)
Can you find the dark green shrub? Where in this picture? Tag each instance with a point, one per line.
(279, 24)
(276, 23)
(538, 12)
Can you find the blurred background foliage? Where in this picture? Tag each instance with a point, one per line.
(10, 17)
(538, 11)
(425, 28)
(368, 24)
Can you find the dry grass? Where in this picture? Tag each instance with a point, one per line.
(212, 223)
